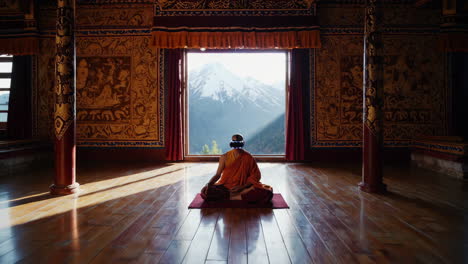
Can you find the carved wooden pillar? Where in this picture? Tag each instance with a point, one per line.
(64, 111)
(372, 103)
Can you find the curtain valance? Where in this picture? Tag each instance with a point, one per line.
(237, 32)
(19, 44)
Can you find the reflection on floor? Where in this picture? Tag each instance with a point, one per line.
(138, 213)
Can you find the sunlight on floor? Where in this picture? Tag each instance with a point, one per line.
(90, 194)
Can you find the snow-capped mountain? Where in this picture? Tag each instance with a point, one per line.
(218, 83)
(222, 103)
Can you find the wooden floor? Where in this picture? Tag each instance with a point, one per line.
(138, 214)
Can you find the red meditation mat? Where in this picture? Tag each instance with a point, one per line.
(276, 203)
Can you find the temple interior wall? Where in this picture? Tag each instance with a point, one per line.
(120, 78)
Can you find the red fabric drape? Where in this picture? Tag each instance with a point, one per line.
(174, 111)
(295, 123)
(19, 124)
(185, 38)
(235, 32)
(15, 45)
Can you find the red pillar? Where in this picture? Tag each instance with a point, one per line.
(64, 110)
(372, 105)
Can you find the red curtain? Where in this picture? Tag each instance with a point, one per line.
(18, 44)
(19, 124)
(295, 120)
(174, 112)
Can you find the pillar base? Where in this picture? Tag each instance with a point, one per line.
(377, 188)
(64, 190)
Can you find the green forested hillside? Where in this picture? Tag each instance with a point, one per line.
(270, 140)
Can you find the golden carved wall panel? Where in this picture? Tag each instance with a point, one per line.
(410, 16)
(112, 16)
(119, 99)
(414, 88)
(341, 16)
(232, 4)
(405, 15)
(103, 89)
(45, 86)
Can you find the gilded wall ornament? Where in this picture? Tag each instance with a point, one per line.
(119, 96)
(64, 111)
(414, 101)
(373, 71)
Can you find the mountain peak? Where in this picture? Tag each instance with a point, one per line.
(217, 82)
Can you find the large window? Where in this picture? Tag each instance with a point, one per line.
(236, 92)
(6, 63)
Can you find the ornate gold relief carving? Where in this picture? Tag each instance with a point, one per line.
(373, 69)
(233, 4)
(414, 90)
(103, 89)
(64, 112)
(118, 94)
(46, 87)
(128, 17)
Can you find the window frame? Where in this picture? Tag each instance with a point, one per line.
(5, 75)
(195, 158)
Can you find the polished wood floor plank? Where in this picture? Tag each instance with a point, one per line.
(368, 230)
(256, 248)
(148, 258)
(176, 252)
(326, 204)
(342, 253)
(314, 244)
(219, 248)
(277, 252)
(238, 238)
(200, 245)
(237, 251)
(293, 241)
(137, 213)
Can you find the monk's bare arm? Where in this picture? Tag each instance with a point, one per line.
(219, 171)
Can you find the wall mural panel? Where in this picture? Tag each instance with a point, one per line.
(119, 98)
(331, 15)
(103, 87)
(112, 16)
(414, 101)
(410, 16)
(45, 86)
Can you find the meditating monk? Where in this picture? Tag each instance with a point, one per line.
(237, 177)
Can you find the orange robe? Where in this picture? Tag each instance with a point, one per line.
(240, 170)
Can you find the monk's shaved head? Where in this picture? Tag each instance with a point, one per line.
(237, 137)
(237, 141)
